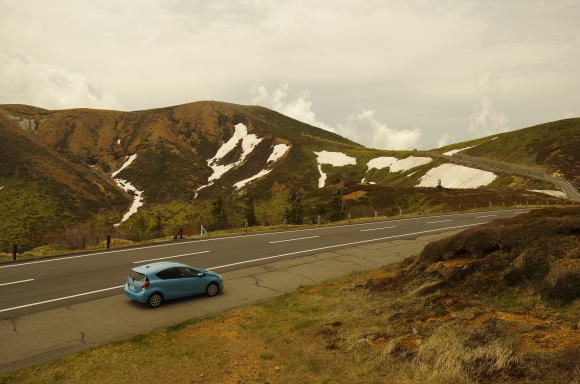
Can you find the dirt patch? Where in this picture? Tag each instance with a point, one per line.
(356, 195)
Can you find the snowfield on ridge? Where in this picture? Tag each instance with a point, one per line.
(456, 176)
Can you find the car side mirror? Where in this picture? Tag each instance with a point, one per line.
(200, 274)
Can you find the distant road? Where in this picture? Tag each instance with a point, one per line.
(33, 286)
(499, 166)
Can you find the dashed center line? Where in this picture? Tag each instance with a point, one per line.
(376, 229)
(240, 263)
(16, 282)
(440, 221)
(479, 217)
(300, 238)
(169, 257)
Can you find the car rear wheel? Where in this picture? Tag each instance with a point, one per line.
(155, 300)
(212, 289)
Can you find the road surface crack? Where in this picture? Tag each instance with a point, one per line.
(13, 321)
(258, 284)
(299, 274)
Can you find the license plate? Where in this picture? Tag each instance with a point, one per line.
(132, 286)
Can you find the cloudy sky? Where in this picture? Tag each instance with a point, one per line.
(389, 74)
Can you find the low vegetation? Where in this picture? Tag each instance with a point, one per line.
(494, 304)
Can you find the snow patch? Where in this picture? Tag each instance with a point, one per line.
(454, 151)
(550, 192)
(278, 151)
(242, 183)
(336, 159)
(2, 187)
(456, 176)
(396, 165)
(118, 141)
(127, 186)
(494, 138)
(381, 162)
(128, 162)
(249, 142)
(409, 163)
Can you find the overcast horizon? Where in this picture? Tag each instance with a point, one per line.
(387, 74)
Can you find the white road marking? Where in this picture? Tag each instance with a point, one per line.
(236, 237)
(60, 298)
(479, 217)
(300, 238)
(376, 229)
(341, 245)
(244, 262)
(435, 222)
(169, 257)
(16, 282)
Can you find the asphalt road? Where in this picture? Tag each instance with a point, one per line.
(38, 285)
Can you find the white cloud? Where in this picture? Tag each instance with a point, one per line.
(444, 140)
(25, 81)
(569, 115)
(299, 108)
(487, 120)
(363, 128)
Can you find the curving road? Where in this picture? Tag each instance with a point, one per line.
(497, 166)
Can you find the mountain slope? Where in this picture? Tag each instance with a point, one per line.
(42, 190)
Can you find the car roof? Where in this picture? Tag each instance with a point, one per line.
(158, 267)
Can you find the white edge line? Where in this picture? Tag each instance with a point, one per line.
(376, 229)
(300, 238)
(435, 222)
(169, 257)
(61, 298)
(242, 262)
(478, 217)
(237, 237)
(342, 245)
(16, 282)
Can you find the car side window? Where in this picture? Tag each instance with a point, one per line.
(170, 273)
(188, 272)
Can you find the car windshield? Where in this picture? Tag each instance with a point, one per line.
(137, 276)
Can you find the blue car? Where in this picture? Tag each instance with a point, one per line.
(156, 282)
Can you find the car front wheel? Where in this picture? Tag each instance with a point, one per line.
(212, 289)
(155, 300)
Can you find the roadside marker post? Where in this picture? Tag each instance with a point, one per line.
(318, 219)
(202, 230)
(108, 238)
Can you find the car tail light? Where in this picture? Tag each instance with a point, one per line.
(145, 284)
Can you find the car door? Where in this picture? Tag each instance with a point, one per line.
(171, 283)
(192, 283)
